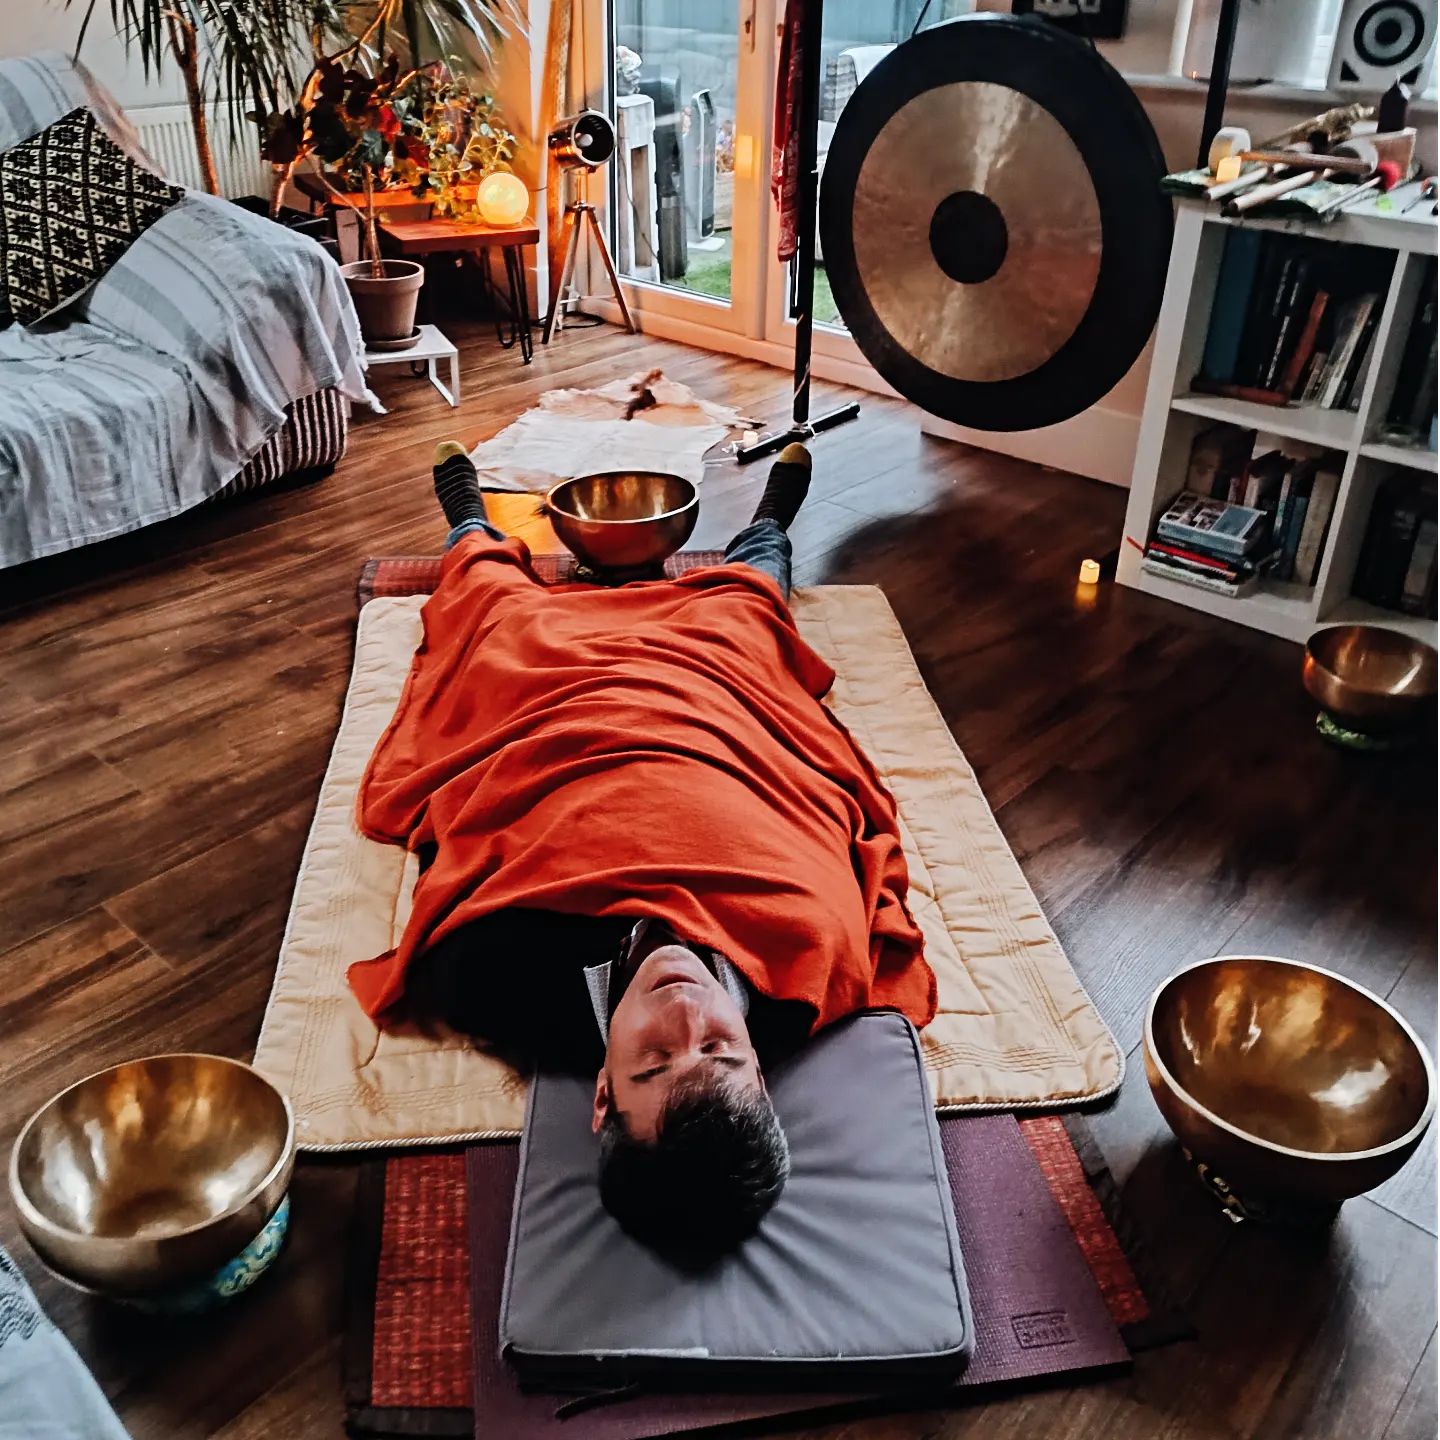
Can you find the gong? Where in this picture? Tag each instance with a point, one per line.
(993, 228)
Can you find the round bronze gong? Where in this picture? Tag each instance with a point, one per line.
(993, 229)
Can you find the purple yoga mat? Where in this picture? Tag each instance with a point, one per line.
(1037, 1310)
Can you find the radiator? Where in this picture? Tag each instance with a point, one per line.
(168, 138)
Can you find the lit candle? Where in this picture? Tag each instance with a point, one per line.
(1089, 572)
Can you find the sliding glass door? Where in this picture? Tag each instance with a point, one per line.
(675, 94)
(690, 85)
(686, 86)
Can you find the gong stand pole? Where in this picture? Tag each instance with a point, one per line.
(1216, 95)
(802, 283)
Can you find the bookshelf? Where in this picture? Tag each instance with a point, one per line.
(1173, 416)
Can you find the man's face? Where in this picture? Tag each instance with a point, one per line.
(674, 1023)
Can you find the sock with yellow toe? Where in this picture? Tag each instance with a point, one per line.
(457, 487)
(786, 488)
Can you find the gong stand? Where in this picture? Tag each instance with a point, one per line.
(1219, 86)
(802, 272)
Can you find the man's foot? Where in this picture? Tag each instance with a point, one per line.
(786, 488)
(457, 487)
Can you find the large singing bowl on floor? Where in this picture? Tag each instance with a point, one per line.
(1293, 1084)
(624, 520)
(1369, 678)
(151, 1175)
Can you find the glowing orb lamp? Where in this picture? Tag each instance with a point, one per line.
(502, 199)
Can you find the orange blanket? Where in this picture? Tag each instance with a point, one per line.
(658, 750)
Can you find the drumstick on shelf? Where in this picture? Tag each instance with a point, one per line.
(1386, 175)
(1227, 188)
(1248, 201)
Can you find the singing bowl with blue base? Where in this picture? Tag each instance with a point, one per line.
(230, 1280)
(153, 1177)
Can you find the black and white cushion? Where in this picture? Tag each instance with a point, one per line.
(71, 203)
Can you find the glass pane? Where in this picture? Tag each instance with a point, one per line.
(675, 69)
(855, 36)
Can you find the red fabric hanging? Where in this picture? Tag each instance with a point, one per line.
(785, 163)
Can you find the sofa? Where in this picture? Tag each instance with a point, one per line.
(220, 352)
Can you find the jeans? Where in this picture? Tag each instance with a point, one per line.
(764, 546)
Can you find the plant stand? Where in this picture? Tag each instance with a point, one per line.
(422, 357)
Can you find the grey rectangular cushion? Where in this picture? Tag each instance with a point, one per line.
(855, 1277)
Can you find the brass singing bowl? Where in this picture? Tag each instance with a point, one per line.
(151, 1175)
(624, 519)
(1370, 678)
(1290, 1081)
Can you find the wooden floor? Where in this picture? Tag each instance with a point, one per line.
(169, 700)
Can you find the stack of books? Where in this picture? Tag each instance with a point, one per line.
(1396, 568)
(1292, 320)
(1211, 543)
(1291, 487)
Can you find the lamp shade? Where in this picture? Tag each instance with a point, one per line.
(502, 199)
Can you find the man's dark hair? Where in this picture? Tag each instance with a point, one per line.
(718, 1163)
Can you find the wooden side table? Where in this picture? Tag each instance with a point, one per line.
(414, 238)
(392, 202)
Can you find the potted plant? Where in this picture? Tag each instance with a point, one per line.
(463, 134)
(249, 48)
(248, 54)
(352, 126)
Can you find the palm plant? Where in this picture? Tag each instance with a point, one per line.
(257, 54)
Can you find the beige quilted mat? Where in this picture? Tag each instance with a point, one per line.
(1014, 1029)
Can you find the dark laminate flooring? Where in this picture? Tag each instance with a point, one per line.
(168, 705)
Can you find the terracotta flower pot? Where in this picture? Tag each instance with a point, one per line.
(386, 305)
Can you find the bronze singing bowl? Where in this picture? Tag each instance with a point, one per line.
(1290, 1081)
(1369, 678)
(152, 1174)
(624, 519)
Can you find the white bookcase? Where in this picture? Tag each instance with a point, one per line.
(1173, 415)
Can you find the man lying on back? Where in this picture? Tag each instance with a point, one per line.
(647, 849)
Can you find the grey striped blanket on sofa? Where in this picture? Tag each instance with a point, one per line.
(156, 389)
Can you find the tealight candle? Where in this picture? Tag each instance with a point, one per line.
(1089, 572)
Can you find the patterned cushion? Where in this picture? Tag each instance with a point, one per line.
(71, 203)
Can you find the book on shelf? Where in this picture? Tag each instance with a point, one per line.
(1410, 416)
(1232, 303)
(1354, 324)
(1293, 319)
(1300, 357)
(1265, 479)
(1315, 521)
(1213, 527)
(1218, 458)
(1396, 568)
(1154, 564)
(1177, 555)
(1417, 593)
